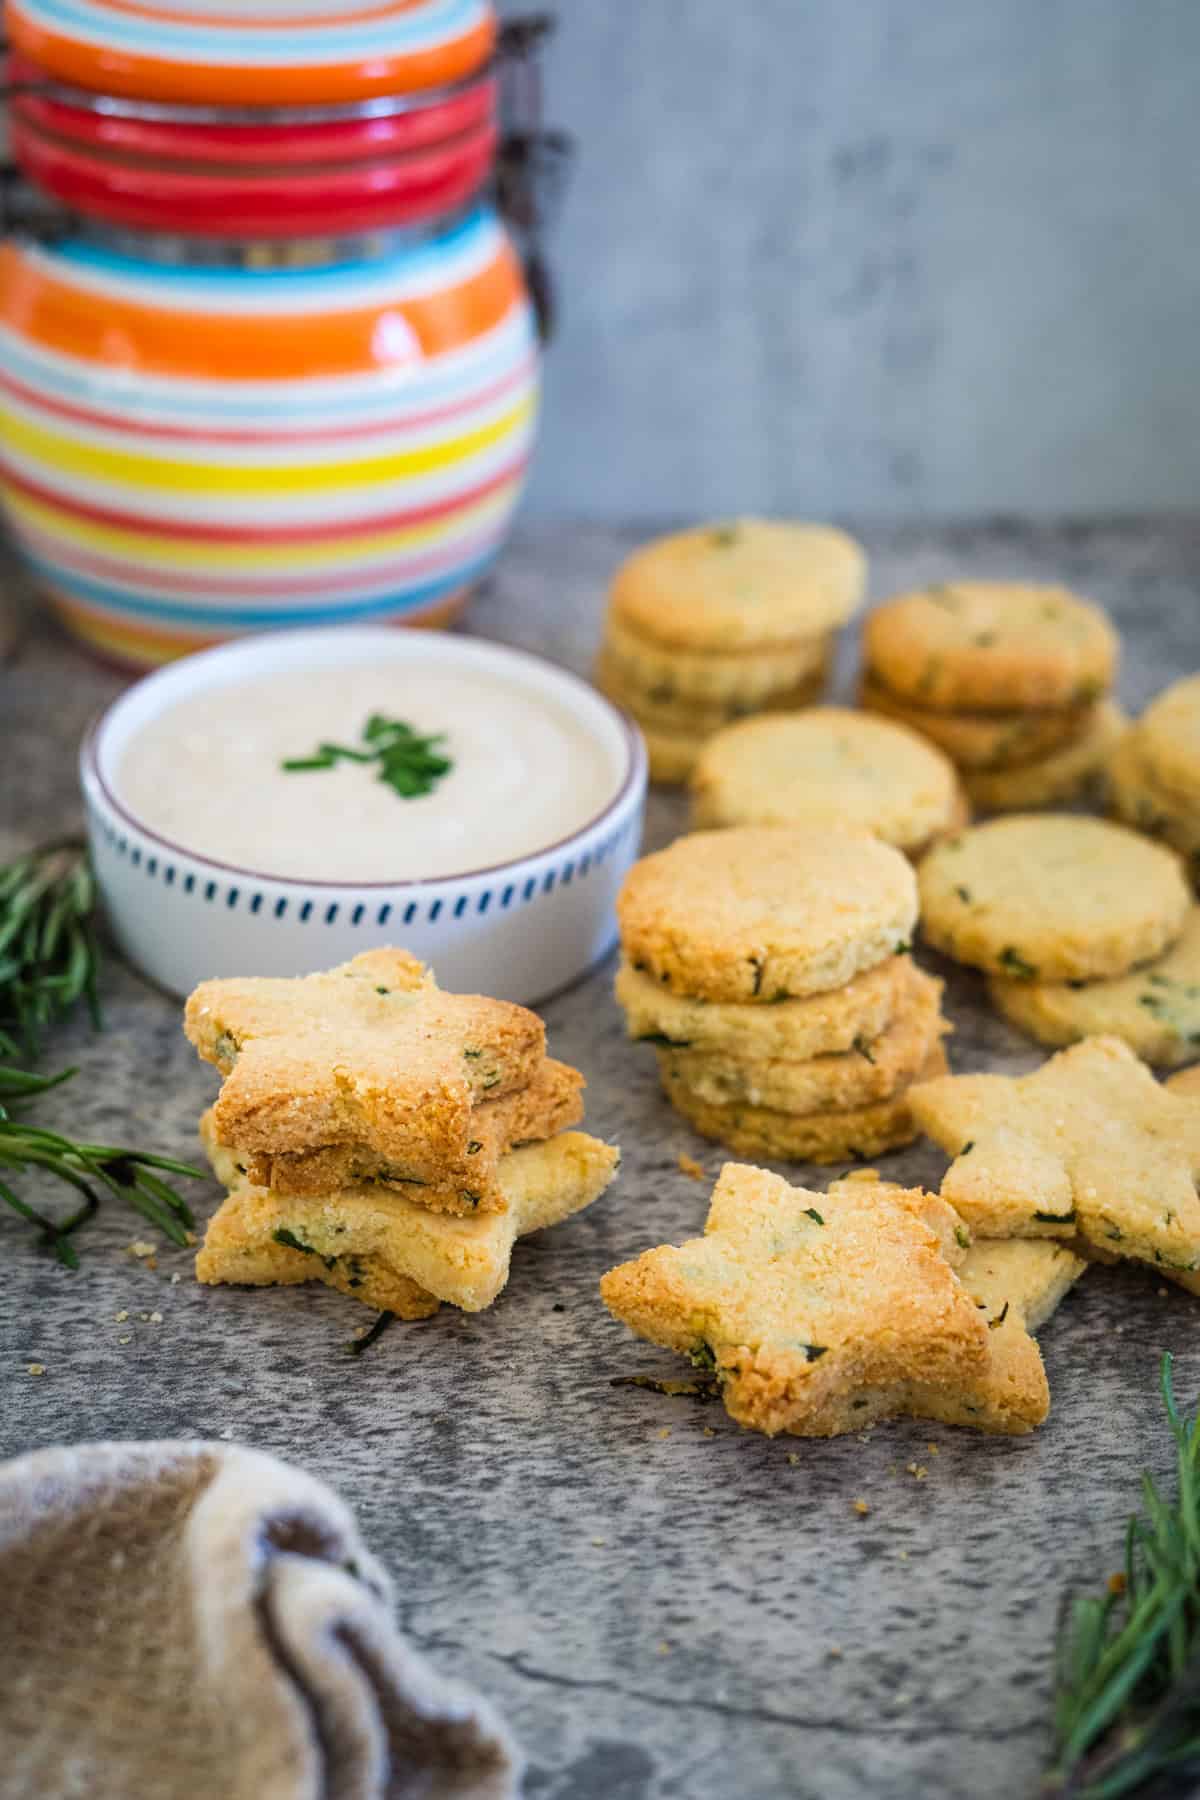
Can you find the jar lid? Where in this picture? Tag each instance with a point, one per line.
(279, 173)
(263, 53)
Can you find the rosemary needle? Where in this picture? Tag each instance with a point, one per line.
(356, 1346)
(47, 949)
(1127, 1708)
(89, 1169)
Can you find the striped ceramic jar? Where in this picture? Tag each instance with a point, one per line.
(207, 428)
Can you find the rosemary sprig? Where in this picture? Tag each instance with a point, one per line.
(1127, 1708)
(47, 948)
(89, 1169)
(410, 764)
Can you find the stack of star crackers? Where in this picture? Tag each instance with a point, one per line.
(384, 1137)
(819, 1314)
(1012, 682)
(1154, 774)
(1083, 927)
(711, 624)
(769, 967)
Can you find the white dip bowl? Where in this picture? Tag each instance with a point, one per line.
(519, 929)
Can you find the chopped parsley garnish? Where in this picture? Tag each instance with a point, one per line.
(410, 764)
(863, 1047)
(814, 1214)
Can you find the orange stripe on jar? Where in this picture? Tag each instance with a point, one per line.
(107, 330)
(105, 70)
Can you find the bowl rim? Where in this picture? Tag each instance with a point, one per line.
(633, 781)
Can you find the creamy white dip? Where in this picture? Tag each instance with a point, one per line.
(206, 774)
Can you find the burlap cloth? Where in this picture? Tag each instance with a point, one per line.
(194, 1619)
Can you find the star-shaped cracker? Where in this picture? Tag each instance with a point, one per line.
(371, 1055)
(819, 1313)
(1088, 1145)
(1017, 1284)
(382, 1249)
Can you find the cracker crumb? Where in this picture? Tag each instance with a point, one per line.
(176, 1279)
(156, 1318)
(793, 1458)
(933, 1450)
(122, 1315)
(690, 1167)
(665, 1432)
(708, 1431)
(918, 1471)
(190, 1236)
(1116, 1583)
(127, 1339)
(861, 1507)
(37, 1368)
(228, 1432)
(834, 1650)
(144, 1317)
(903, 1555)
(141, 1249)
(599, 1543)
(664, 1649)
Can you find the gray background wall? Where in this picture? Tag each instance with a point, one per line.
(878, 257)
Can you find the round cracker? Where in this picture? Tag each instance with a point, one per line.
(992, 646)
(668, 711)
(1155, 1010)
(870, 1071)
(1057, 778)
(827, 767)
(1169, 741)
(745, 584)
(759, 914)
(816, 1025)
(982, 740)
(1052, 897)
(1136, 798)
(717, 678)
(856, 1135)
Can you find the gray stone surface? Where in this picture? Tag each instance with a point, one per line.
(665, 1605)
(874, 257)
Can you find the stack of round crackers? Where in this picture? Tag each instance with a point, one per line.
(711, 624)
(769, 969)
(1084, 928)
(1154, 775)
(1012, 682)
(829, 767)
